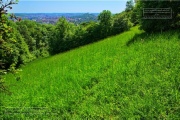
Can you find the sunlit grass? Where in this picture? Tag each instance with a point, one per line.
(132, 75)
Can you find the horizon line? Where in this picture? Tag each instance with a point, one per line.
(56, 12)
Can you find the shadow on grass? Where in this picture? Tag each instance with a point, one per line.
(137, 37)
(143, 37)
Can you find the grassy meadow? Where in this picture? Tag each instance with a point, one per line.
(133, 75)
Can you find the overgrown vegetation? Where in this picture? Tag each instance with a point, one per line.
(7, 43)
(158, 25)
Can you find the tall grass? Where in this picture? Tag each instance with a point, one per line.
(132, 75)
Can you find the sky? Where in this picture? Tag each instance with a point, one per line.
(68, 6)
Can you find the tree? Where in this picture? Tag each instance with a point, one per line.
(150, 25)
(5, 36)
(129, 5)
(134, 17)
(14, 51)
(63, 34)
(105, 20)
(92, 32)
(79, 36)
(120, 23)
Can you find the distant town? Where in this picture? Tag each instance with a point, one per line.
(52, 18)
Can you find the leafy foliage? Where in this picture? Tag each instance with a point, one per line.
(150, 25)
(121, 23)
(62, 36)
(92, 32)
(6, 36)
(105, 20)
(129, 5)
(36, 37)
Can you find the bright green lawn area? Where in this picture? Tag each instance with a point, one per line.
(132, 75)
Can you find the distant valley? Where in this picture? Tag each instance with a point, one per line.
(51, 18)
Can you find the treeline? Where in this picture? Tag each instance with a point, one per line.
(30, 40)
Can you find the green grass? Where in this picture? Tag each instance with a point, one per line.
(129, 76)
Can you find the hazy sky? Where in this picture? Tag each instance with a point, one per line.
(68, 6)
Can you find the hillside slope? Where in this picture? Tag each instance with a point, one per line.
(131, 75)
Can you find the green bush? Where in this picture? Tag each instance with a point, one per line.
(121, 23)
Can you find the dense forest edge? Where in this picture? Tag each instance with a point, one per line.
(154, 42)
